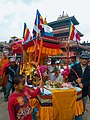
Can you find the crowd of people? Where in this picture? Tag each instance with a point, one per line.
(9, 69)
(18, 100)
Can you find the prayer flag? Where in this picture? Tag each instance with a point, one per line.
(26, 33)
(73, 34)
(38, 25)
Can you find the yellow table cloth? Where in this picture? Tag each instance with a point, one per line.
(65, 106)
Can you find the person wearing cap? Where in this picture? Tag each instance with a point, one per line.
(11, 71)
(73, 59)
(80, 74)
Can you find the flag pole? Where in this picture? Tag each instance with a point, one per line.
(36, 39)
(68, 46)
(68, 49)
(36, 47)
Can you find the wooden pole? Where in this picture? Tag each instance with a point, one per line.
(36, 50)
(68, 48)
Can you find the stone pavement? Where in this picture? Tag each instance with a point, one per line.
(88, 110)
(4, 110)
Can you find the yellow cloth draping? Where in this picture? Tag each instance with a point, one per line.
(79, 108)
(64, 102)
(45, 113)
(65, 106)
(45, 50)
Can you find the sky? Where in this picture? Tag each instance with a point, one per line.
(14, 13)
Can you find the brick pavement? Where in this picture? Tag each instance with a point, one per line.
(4, 110)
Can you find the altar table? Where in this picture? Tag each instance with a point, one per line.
(62, 105)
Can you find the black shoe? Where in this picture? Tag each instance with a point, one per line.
(5, 99)
(2, 90)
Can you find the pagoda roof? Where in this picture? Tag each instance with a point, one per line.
(64, 31)
(61, 25)
(64, 21)
(81, 35)
(74, 45)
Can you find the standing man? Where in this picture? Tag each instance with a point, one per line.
(11, 71)
(80, 74)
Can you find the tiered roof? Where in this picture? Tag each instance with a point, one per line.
(61, 27)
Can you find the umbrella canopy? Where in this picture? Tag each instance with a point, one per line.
(17, 47)
(48, 46)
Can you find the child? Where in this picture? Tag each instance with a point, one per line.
(18, 105)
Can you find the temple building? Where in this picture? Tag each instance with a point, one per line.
(61, 31)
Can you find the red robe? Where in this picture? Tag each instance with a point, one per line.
(4, 74)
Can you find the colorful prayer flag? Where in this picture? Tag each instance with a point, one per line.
(73, 34)
(26, 33)
(38, 25)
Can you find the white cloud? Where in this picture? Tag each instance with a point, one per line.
(13, 14)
